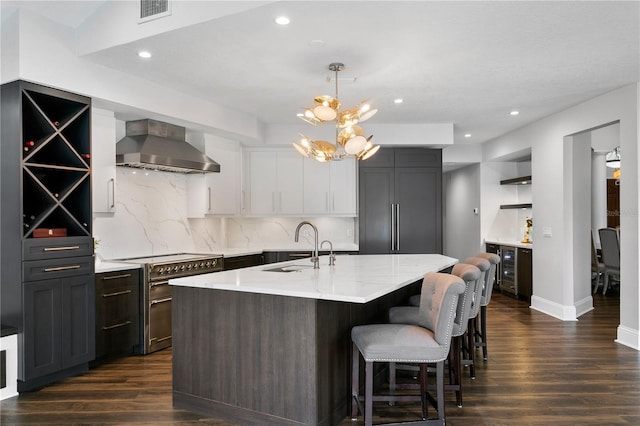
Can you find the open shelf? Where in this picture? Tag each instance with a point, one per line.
(523, 180)
(516, 206)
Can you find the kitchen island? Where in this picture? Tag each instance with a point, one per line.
(271, 344)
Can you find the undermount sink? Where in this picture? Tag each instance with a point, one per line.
(289, 268)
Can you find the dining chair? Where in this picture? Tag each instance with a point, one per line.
(425, 343)
(597, 267)
(610, 247)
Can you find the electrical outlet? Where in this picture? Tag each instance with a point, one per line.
(306, 233)
(349, 232)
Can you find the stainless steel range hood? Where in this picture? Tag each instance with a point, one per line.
(151, 144)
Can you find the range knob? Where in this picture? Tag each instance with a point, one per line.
(175, 268)
(189, 266)
(160, 270)
(182, 267)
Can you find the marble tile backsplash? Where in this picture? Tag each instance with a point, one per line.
(151, 219)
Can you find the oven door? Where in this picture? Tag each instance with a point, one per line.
(159, 336)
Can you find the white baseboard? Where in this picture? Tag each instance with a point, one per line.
(565, 313)
(583, 306)
(628, 337)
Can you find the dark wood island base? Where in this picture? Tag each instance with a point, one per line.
(266, 359)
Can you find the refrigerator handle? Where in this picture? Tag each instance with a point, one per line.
(398, 226)
(393, 228)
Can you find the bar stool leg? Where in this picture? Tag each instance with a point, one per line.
(423, 390)
(392, 377)
(481, 334)
(368, 393)
(456, 366)
(355, 382)
(440, 389)
(471, 347)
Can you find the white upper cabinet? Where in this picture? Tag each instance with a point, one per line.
(216, 193)
(330, 188)
(274, 183)
(103, 161)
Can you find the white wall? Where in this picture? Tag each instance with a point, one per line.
(577, 179)
(550, 193)
(461, 225)
(598, 194)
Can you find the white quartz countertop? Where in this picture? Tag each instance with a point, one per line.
(506, 242)
(354, 278)
(109, 266)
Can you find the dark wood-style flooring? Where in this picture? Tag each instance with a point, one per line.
(540, 371)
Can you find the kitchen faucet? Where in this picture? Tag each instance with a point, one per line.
(332, 257)
(314, 259)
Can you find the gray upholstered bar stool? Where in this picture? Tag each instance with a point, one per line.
(481, 320)
(426, 343)
(469, 346)
(473, 279)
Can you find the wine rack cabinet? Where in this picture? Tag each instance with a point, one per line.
(47, 267)
(56, 162)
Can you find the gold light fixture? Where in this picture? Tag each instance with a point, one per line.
(350, 139)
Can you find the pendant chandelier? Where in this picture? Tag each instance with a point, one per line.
(350, 139)
(613, 158)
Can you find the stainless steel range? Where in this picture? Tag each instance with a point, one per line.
(156, 291)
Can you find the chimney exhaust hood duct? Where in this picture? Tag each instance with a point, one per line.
(154, 145)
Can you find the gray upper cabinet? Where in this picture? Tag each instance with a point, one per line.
(400, 201)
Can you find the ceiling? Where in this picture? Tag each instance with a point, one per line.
(466, 63)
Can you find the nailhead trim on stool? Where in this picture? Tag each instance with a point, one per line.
(425, 343)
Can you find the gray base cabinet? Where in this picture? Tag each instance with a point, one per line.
(238, 262)
(400, 202)
(58, 325)
(117, 325)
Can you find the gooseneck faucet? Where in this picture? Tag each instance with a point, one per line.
(314, 259)
(332, 257)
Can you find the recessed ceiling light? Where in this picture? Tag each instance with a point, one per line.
(282, 20)
(467, 135)
(514, 112)
(398, 101)
(144, 54)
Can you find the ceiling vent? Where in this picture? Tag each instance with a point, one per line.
(154, 9)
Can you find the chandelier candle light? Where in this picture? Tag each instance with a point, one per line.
(350, 140)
